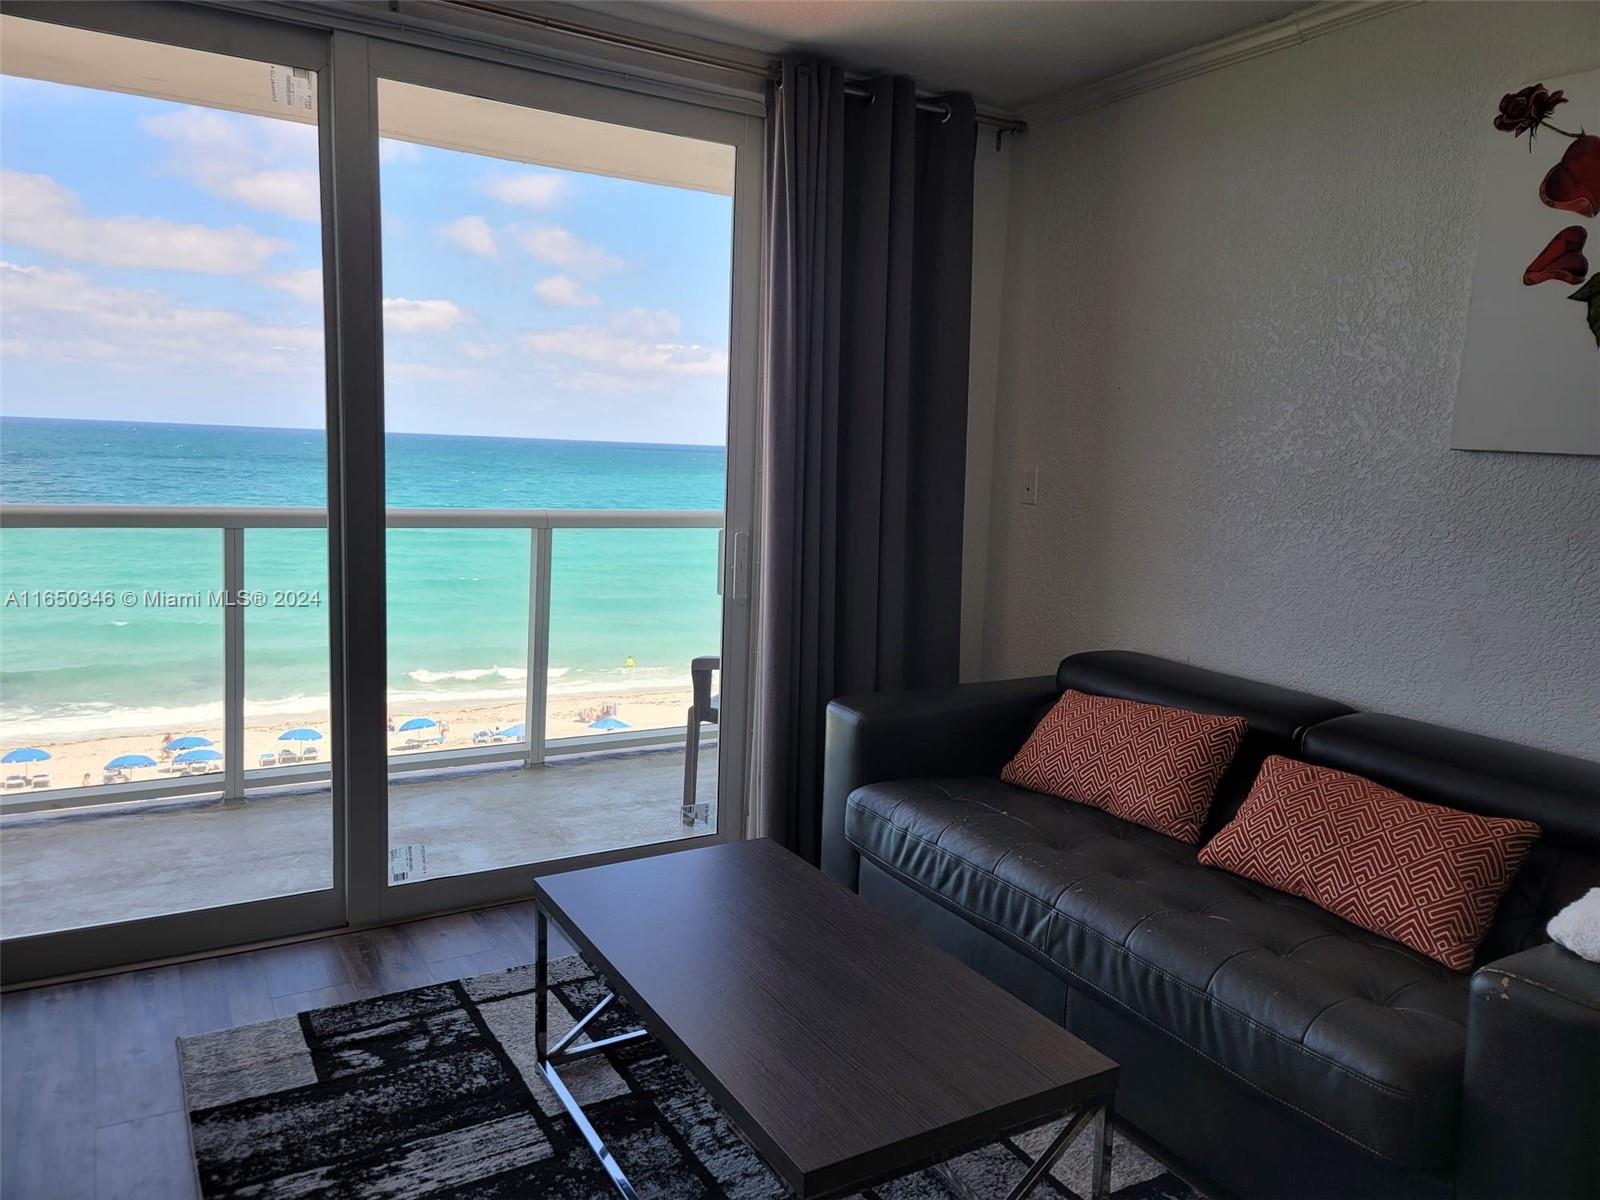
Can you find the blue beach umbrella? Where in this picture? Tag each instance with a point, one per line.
(418, 723)
(510, 731)
(189, 742)
(300, 735)
(609, 723)
(191, 756)
(26, 755)
(124, 762)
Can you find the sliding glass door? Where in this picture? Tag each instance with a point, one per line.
(558, 295)
(164, 664)
(376, 478)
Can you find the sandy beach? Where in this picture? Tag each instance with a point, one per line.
(76, 761)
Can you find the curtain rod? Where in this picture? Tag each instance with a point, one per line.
(693, 57)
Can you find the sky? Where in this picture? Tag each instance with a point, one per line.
(161, 262)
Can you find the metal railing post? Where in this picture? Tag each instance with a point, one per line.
(536, 698)
(233, 761)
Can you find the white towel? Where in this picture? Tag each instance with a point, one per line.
(1577, 926)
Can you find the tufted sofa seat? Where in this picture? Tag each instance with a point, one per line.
(1355, 1032)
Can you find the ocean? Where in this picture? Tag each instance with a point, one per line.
(458, 599)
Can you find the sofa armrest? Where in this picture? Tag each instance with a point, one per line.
(971, 729)
(1531, 1103)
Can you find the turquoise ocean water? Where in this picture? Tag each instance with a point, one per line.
(458, 599)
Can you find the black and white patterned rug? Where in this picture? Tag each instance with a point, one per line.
(434, 1093)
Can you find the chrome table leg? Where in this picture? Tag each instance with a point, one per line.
(548, 1056)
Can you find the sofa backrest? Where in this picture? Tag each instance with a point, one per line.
(1276, 716)
(1492, 777)
(1427, 762)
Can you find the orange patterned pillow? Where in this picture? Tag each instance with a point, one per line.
(1157, 767)
(1420, 874)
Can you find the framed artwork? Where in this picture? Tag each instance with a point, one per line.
(1530, 367)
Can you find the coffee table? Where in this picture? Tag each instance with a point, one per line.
(841, 1046)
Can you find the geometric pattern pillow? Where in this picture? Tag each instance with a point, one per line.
(1157, 767)
(1419, 874)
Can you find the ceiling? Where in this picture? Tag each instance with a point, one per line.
(1005, 52)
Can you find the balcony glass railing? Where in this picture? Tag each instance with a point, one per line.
(247, 624)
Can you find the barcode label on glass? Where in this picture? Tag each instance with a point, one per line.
(407, 863)
(293, 87)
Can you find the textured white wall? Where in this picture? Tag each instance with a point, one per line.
(1234, 312)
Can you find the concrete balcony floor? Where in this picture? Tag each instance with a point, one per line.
(83, 867)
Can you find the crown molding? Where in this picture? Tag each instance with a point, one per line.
(1293, 30)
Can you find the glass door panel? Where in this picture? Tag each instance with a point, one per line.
(160, 276)
(557, 296)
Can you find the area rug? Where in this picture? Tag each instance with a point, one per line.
(434, 1093)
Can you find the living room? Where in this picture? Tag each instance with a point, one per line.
(882, 598)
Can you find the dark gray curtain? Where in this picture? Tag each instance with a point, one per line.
(870, 237)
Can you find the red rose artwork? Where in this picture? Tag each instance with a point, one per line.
(1573, 183)
(1570, 185)
(1529, 378)
(1562, 259)
(1522, 112)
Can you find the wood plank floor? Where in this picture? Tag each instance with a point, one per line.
(91, 1107)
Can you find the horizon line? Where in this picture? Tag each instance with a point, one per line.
(488, 437)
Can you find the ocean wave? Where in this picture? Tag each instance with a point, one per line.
(564, 683)
(94, 718)
(620, 681)
(471, 674)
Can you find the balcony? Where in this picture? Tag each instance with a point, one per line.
(251, 822)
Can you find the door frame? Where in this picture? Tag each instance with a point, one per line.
(349, 58)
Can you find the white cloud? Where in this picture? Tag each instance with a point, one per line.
(482, 350)
(267, 164)
(565, 291)
(421, 372)
(646, 323)
(563, 248)
(37, 211)
(63, 315)
(393, 151)
(527, 189)
(292, 193)
(305, 285)
(639, 344)
(471, 233)
(421, 316)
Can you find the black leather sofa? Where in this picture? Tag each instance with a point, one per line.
(1273, 1048)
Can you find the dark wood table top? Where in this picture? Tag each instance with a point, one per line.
(843, 1047)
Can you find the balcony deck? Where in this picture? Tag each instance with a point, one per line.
(88, 866)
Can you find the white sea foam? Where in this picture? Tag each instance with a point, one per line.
(469, 675)
(84, 721)
(92, 719)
